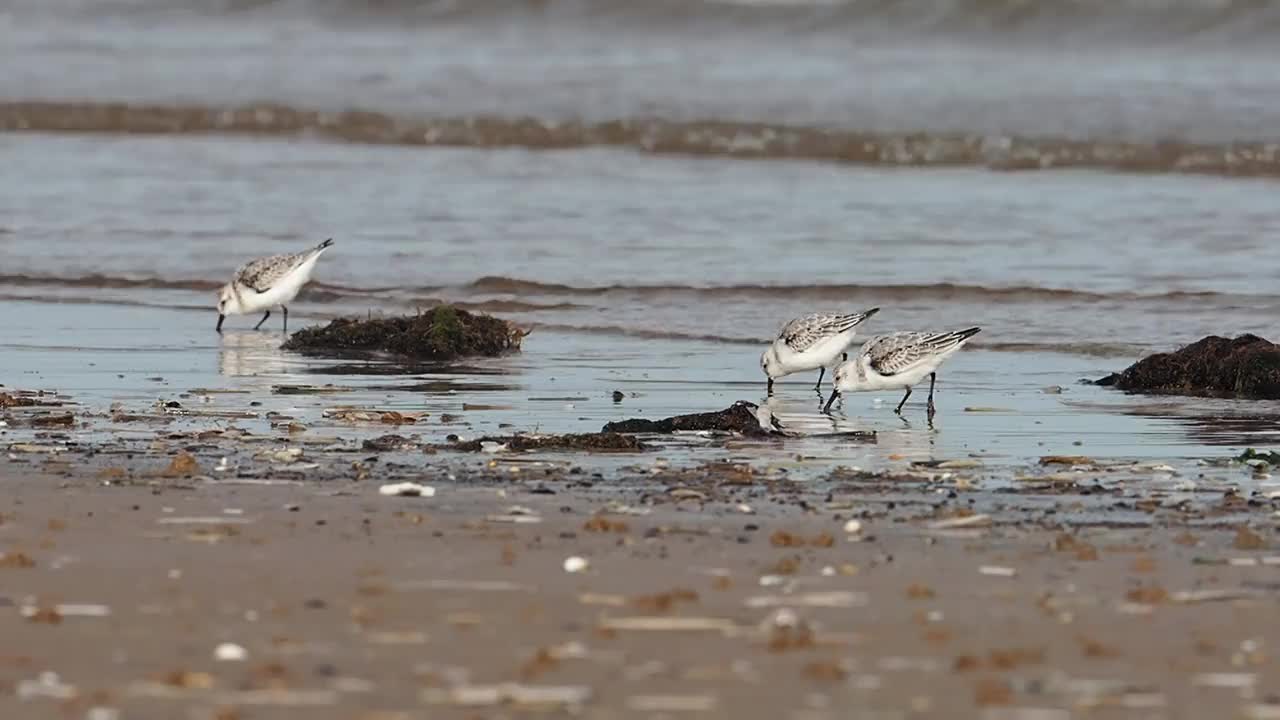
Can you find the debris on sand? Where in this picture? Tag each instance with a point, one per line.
(741, 417)
(602, 441)
(363, 415)
(26, 398)
(388, 443)
(443, 333)
(508, 694)
(1244, 367)
(407, 489)
(47, 421)
(182, 465)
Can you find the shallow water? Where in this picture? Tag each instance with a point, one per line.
(614, 244)
(992, 405)
(645, 252)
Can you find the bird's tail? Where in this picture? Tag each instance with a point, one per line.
(951, 340)
(849, 321)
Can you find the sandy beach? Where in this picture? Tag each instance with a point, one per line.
(716, 593)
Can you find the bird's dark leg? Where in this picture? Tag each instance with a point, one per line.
(221, 317)
(904, 402)
(770, 387)
(821, 371)
(933, 378)
(835, 393)
(286, 319)
(264, 319)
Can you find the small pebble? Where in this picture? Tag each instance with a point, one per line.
(575, 564)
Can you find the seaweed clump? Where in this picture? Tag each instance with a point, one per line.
(442, 333)
(741, 417)
(1244, 367)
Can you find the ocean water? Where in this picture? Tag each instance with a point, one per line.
(655, 188)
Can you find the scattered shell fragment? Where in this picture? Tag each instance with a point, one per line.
(962, 522)
(997, 571)
(1225, 680)
(230, 652)
(47, 685)
(669, 624)
(283, 455)
(70, 610)
(464, 585)
(508, 694)
(671, 703)
(574, 564)
(853, 527)
(407, 489)
(832, 599)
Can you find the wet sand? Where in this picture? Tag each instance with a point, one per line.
(708, 592)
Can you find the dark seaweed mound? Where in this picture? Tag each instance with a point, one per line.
(1244, 367)
(443, 333)
(739, 417)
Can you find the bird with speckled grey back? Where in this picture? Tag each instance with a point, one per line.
(264, 283)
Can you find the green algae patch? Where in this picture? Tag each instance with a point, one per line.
(442, 333)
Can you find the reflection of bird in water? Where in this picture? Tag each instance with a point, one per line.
(898, 438)
(248, 355)
(800, 416)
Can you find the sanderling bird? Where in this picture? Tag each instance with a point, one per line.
(898, 360)
(810, 342)
(263, 283)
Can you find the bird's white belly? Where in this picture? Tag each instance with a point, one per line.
(282, 293)
(907, 378)
(821, 354)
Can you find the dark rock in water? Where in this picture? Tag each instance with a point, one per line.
(739, 417)
(443, 333)
(603, 441)
(1244, 367)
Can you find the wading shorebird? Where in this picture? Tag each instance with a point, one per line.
(810, 342)
(898, 360)
(266, 282)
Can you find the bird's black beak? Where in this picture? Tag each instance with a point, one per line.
(221, 317)
(834, 394)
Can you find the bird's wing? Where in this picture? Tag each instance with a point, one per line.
(900, 352)
(806, 331)
(261, 274)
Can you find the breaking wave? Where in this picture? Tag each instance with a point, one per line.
(713, 138)
(514, 291)
(1172, 19)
